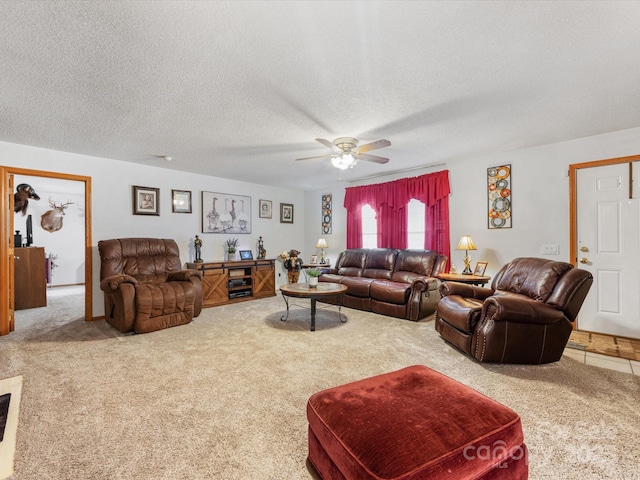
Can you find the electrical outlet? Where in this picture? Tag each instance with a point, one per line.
(550, 249)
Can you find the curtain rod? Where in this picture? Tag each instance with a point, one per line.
(399, 171)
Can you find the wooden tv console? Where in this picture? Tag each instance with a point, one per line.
(236, 281)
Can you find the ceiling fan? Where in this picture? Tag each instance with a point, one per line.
(346, 152)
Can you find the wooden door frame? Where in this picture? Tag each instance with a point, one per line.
(573, 201)
(7, 249)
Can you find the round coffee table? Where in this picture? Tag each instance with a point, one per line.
(303, 290)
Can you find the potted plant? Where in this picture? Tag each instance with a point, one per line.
(232, 245)
(312, 276)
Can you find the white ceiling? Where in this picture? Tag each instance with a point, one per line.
(240, 89)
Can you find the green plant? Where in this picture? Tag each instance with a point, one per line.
(232, 244)
(313, 272)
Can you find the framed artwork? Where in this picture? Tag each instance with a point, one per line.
(480, 268)
(286, 213)
(225, 213)
(499, 196)
(181, 201)
(146, 200)
(326, 213)
(264, 208)
(314, 260)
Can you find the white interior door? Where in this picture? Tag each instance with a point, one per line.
(609, 247)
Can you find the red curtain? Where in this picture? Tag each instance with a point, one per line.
(390, 200)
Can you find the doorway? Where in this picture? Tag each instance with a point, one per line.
(7, 317)
(605, 227)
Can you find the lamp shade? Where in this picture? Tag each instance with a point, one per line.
(322, 243)
(466, 243)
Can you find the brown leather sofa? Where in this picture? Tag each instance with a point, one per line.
(397, 283)
(525, 317)
(145, 288)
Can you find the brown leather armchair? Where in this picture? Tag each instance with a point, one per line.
(525, 317)
(145, 288)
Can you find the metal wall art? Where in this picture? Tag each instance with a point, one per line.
(225, 213)
(499, 196)
(326, 213)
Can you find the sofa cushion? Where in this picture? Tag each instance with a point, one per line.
(379, 263)
(460, 312)
(358, 286)
(352, 262)
(391, 292)
(533, 277)
(416, 261)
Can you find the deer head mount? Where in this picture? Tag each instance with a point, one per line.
(51, 221)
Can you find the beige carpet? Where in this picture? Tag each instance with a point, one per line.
(224, 397)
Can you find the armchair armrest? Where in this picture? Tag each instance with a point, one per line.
(183, 275)
(465, 290)
(114, 281)
(518, 310)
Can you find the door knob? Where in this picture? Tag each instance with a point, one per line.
(584, 260)
(584, 249)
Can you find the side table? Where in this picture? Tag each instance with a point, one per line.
(459, 277)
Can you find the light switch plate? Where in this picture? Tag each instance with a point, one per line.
(549, 249)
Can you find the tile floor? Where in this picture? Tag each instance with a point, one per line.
(604, 361)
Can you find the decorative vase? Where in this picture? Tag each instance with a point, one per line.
(313, 281)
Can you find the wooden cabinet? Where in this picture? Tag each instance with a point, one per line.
(229, 282)
(30, 278)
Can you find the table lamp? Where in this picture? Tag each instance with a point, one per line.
(466, 244)
(322, 244)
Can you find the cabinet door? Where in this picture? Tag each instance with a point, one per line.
(264, 280)
(214, 285)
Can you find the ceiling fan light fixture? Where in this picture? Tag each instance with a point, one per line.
(344, 160)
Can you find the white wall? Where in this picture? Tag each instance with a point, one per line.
(540, 199)
(112, 216)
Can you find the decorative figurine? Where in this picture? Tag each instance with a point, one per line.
(293, 265)
(197, 244)
(262, 253)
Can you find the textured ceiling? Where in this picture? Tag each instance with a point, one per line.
(240, 89)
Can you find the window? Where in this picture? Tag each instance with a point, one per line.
(369, 227)
(415, 233)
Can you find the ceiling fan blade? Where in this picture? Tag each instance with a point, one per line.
(311, 158)
(373, 146)
(328, 144)
(371, 158)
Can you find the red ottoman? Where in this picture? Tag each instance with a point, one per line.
(412, 424)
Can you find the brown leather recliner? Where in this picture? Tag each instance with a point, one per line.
(145, 288)
(525, 317)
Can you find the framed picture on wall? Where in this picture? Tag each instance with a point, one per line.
(264, 209)
(181, 201)
(225, 213)
(146, 200)
(286, 213)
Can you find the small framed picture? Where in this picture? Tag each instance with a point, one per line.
(246, 255)
(264, 207)
(314, 260)
(480, 268)
(286, 213)
(146, 200)
(181, 201)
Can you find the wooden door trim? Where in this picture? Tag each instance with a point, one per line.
(573, 202)
(5, 171)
